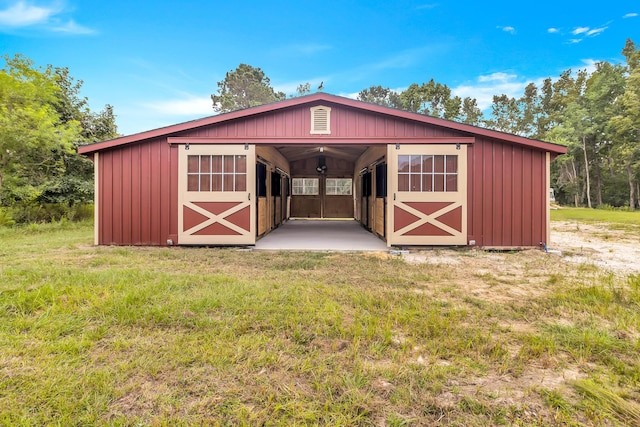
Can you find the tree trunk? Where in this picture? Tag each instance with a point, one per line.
(632, 188)
(575, 180)
(586, 171)
(598, 184)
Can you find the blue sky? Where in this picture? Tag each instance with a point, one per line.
(158, 62)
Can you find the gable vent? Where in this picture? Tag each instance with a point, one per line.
(320, 120)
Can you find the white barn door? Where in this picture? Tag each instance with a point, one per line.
(216, 195)
(427, 194)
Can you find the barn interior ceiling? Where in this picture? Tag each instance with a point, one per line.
(300, 152)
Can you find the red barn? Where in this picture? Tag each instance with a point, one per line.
(410, 179)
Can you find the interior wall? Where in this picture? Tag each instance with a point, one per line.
(272, 210)
(322, 206)
(370, 210)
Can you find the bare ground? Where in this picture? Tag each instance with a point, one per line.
(512, 278)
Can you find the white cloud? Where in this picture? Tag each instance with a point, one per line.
(630, 15)
(580, 30)
(22, 14)
(487, 86)
(427, 6)
(508, 29)
(72, 27)
(553, 30)
(497, 77)
(191, 106)
(596, 31)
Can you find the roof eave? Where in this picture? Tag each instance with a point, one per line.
(320, 96)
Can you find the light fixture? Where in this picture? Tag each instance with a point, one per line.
(322, 149)
(186, 146)
(246, 146)
(322, 165)
(397, 146)
(458, 146)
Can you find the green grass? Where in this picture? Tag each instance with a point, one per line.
(596, 215)
(200, 336)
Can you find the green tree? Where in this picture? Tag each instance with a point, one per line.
(435, 99)
(470, 113)
(603, 87)
(381, 96)
(33, 138)
(244, 87)
(303, 89)
(627, 123)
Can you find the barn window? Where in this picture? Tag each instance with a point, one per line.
(339, 186)
(305, 187)
(428, 173)
(320, 120)
(217, 173)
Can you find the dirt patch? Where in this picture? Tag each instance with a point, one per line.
(613, 250)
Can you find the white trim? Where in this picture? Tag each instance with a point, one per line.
(547, 192)
(320, 120)
(96, 199)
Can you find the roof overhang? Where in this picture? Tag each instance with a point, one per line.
(472, 131)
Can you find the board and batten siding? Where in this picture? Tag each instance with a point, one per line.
(507, 198)
(137, 190)
(345, 123)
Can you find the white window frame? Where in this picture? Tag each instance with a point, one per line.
(334, 185)
(302, 186)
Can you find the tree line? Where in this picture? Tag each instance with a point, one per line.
(44, 118)
(595, 114)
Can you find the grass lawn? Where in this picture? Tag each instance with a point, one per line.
(596, 215)
(210, 336)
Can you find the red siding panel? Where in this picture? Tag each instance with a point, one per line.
(507, 199)
(345, 123)
(138, 194)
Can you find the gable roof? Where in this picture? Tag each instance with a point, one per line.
(315, 98)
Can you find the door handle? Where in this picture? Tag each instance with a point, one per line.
(249, 196)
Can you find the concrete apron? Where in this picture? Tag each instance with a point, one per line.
(321, 235)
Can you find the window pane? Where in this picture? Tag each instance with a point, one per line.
(414, 182)
(205, 182)
(452, 164)
(438, 182)
(192, 164)
(403, 163)
(228, 182)
(216, 164)
(216, 182)
(416, 164)
(205, 162)
(427, 184)
(192, 182)
(438, 164)
(241, 182)
(229, 163)
(427, 164)
(241, 164)
(403, 182)
(452, 182)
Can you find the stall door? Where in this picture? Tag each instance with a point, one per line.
(216, 197)
(428, 200)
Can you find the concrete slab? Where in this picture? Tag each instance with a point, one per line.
(321, 235)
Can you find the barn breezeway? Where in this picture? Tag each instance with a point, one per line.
(321, 235)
